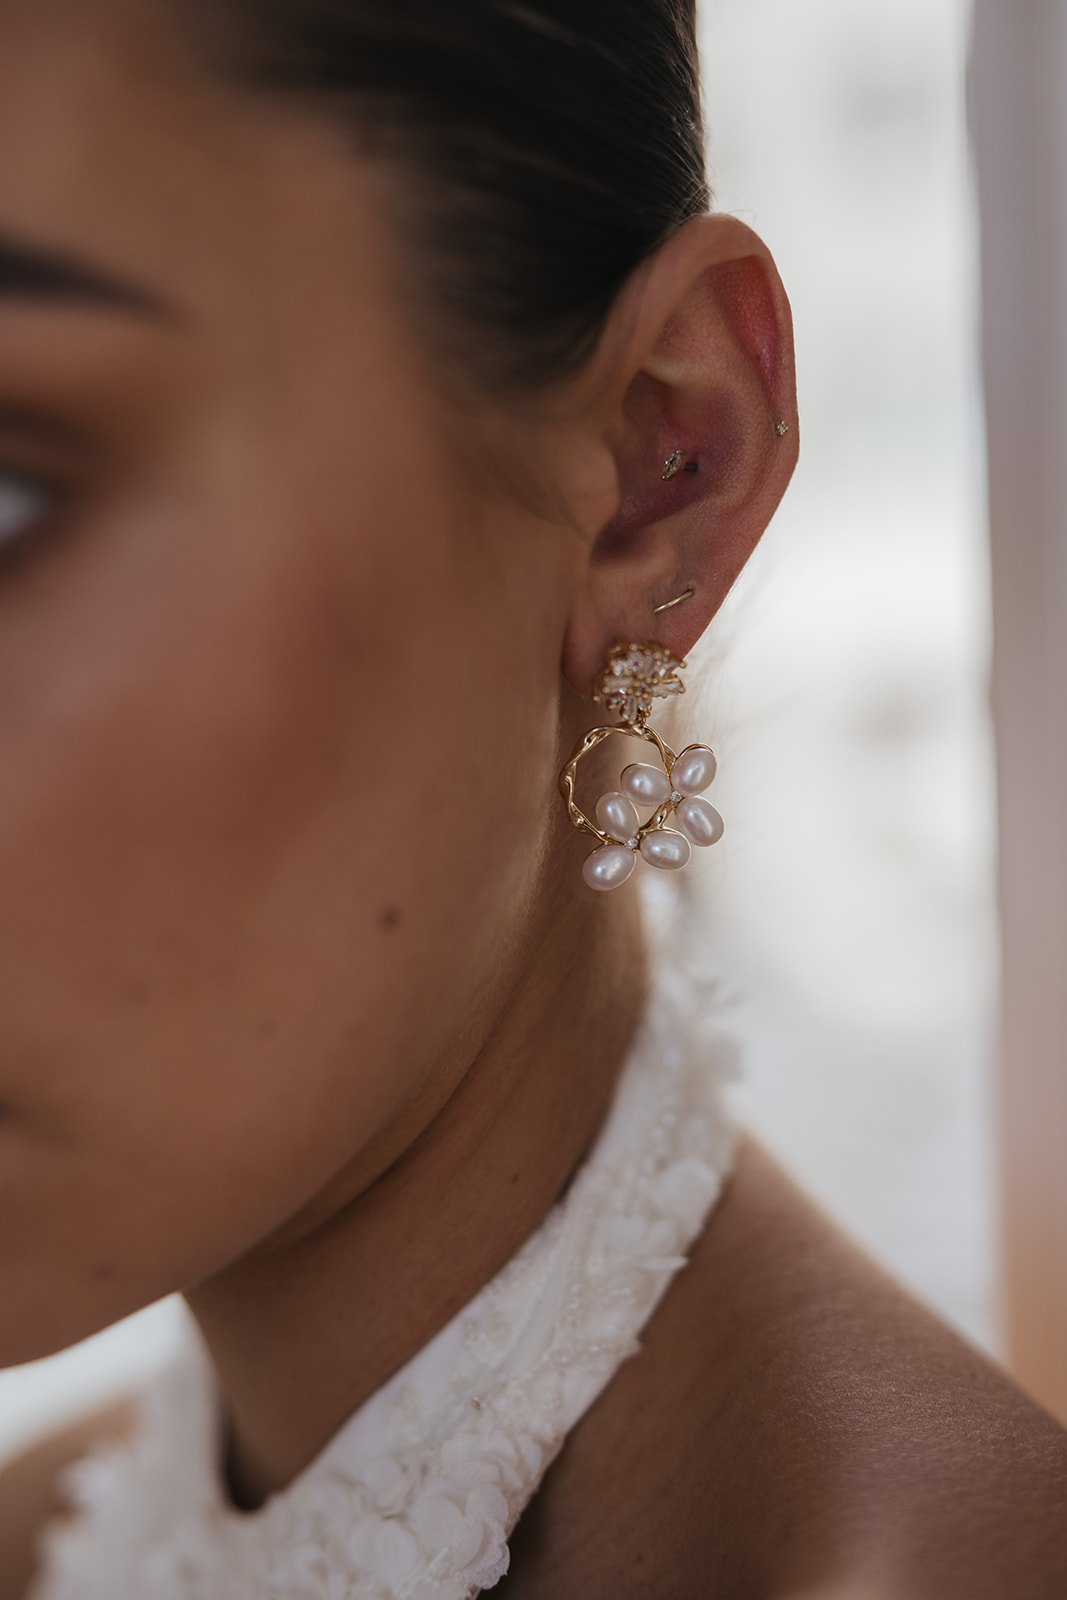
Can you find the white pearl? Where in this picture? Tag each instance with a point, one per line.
(694, 769)
(609, 866)
(649, 786)
(665, 848)
(700, 822)
(616, 815)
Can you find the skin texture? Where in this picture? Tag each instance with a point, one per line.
(290, 898)
(796, 1427)
(799, 1427)
(305, 1011)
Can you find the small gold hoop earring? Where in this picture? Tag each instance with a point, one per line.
(636, 674)
(679, 600)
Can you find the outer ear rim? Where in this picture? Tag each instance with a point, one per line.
(677, 542)
(710, 238)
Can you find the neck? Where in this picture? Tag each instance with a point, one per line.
(309, 1326)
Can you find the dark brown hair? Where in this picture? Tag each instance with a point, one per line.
(544, 149)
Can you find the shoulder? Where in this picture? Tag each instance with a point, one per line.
(874, 1441)
(29, 1493)
(798, 1425)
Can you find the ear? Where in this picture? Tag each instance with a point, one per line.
(697, 355)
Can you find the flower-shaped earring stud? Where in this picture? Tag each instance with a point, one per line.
(634, 676)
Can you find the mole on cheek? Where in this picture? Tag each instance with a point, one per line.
(389, 919)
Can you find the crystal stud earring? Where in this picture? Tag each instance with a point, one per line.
(675, 463)
(635, 675)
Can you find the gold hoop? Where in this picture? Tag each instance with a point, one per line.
(585, 747)
(687, 594)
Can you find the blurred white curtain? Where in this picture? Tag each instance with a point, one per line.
(1019, 115)
(846, 678)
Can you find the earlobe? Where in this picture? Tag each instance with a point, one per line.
(709, 384)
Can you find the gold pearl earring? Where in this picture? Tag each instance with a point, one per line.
(636, 674)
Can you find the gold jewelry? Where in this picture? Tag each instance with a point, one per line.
(677, 462)
(678, 600)
(781, 428)
(634, 676)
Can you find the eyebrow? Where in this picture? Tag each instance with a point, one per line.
(54, 276)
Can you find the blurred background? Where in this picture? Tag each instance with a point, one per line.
(852, 907)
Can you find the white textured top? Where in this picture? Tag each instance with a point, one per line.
(417, 1493)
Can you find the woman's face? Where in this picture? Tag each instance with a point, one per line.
(278, 679)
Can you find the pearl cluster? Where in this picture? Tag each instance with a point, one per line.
(667, 848)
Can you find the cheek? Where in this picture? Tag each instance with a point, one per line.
(260, 834)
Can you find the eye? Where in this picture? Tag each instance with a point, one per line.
(24, 504)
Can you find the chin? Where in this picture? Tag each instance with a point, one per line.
(21, 1343)
(37, 1322)
(24, 1339)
